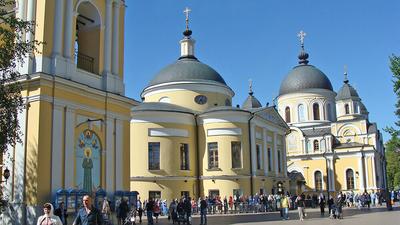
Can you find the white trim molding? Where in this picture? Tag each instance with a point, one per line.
(167, 132)
(224, 132)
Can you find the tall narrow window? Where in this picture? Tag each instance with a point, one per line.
(350, 179)
(329, 112)
(287, 114)
(346, 109)
(154, 156)
(356, 108)
(316, 111)
(301, 112)
(318, 180)
(316, 145)
(279, 161)
(212, 155)
(269, 159)
(184, 149)
(236, 151)
(155, 195)
(258, 152)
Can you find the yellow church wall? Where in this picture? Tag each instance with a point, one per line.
(126, 155)
(169, 150)
(170, 189)
(89, 44)
(341, 165)
(185, 98)
(44, 26)
(226, 186)
(224, 150)
(309, 167)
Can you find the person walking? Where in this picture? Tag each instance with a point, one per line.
(203, 211)
(88, 214)
(61, 212)
(285, 204)
(122, 211)
(301, 205)
(321, 202)
(48, 218)
(106, 211)
(149, 211)
(139, 209)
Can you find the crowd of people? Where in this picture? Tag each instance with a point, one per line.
(182, 210)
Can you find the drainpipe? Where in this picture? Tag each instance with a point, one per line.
(251, 162)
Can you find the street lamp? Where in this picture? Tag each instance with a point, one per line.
(6, 175)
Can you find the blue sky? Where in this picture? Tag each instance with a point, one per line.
(257, 39)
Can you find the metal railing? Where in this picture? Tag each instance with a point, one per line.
(85, 62)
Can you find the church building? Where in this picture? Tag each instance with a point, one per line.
(188, 140)
(332, 145)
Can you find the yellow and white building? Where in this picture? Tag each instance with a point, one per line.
(76, 124)
(187, 139)
(332, 145)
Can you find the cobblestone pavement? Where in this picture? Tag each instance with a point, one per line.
(374, 216)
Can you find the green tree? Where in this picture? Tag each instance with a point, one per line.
(395, 68)
(14, 48)
(393, 162)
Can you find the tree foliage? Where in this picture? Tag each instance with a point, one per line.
(14, 48)
(393, 162)
(395, 68)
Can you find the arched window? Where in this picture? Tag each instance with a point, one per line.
(87, 42)
(316, 111)
(350, 179)
(316, 145)
(301, 112)
(318, 180)
(346, 109)
(287, 114)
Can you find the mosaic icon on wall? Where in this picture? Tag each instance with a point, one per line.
(88, 161)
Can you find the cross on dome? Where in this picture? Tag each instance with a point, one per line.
(250, 86)
(301, 35)
(187, 11)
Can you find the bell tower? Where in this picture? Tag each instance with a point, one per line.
(83, 40)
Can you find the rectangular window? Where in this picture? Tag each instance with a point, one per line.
(236, 151)
(184, 148)
(279, 161)
(185, 194)
(213, 193)
(155, 195)
(237, 193)
(154, 155)
(258, 152)
(212, 155)
(269, 160)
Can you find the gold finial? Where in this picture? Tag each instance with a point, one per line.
(301, 35)
(187, 11)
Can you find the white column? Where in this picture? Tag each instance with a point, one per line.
(361, 173)
(253, 149)
(21, 9)
(30, 16)
(19, 161)
(107, 38)
(109, 154)
(119, 134)
(374, 185)
(69, 13)
(265, 152)
(366, 171)
(284, 162)
(69, 147)
(58, 25)
(276, 153)
(57, 148)
(115, 43)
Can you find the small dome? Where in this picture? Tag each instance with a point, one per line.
(347, 92)
(187, 69)
(251, 103)
(304, 77)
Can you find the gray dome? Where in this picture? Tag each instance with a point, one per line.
(187, 69)
(347, 92)
(251, 103)
(304, 77)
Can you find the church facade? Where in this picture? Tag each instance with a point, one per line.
(332, 145)
(188, 140)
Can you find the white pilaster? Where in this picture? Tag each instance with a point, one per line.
(284, 162)
(367, 184)
(275, 150)
(69, 147)
(265, 152)
(58, 21)
(109, 154)
(107, 38)
(115, 40)
(119, 134)
(361, 173)
(57, 148)
(30, 16)
(19, 161)
(21, 9)
(69, 13)
(374, 185)
(253, 149)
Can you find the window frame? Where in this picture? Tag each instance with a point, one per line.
(316, 111)
(153, 156)
(236, 154)
(318, 181)
(184, 156)
(212, 155)
(287, 114)
(350, 183)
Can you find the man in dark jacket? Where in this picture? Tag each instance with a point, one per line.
(61, 212)
(88, 214)
(122, 211)
(203, 211)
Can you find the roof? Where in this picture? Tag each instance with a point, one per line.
(251, 102)
(225, 108)
(316, 132)
(304, 77)
(372, 128)
(161, 106)
(187, 69)
(350, 145)
(347, 92)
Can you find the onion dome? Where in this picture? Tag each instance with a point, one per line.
(304, 76)
(347, 91)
